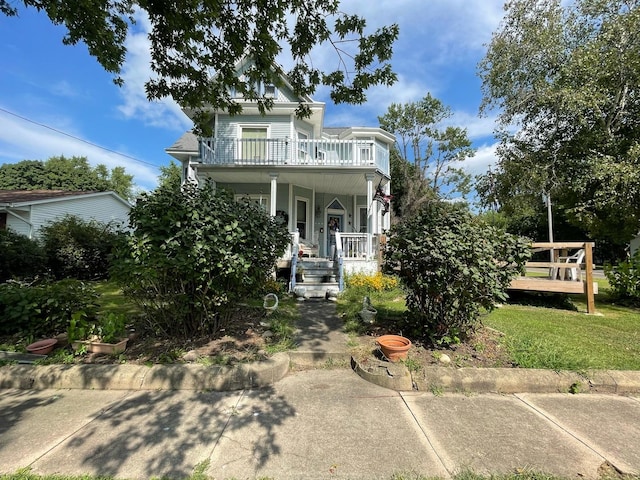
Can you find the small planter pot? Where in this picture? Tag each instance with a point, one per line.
(368, 315)
(43, 347)
(394, 347)
(99, 347)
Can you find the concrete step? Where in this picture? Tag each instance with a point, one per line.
(317, 289)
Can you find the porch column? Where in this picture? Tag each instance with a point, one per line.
(386, 220)
(274, 192)
(370, 211)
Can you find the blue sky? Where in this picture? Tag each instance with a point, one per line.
(51, 88)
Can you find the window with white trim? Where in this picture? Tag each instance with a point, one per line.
(260, 199)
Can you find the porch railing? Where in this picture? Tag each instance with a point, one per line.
(261, 151)
(359, 245)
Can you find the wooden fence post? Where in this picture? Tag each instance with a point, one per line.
(591, 304)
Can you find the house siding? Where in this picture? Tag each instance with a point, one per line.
(279, 125)
(105, 209)
(19, 226)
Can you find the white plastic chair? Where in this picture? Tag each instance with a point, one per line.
(577, 258)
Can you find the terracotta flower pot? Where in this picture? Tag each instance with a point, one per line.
(394, 347)
(43, 347)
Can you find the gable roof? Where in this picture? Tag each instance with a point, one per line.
(19, 198)
(183, 148)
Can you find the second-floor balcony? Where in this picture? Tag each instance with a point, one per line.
(259, 151)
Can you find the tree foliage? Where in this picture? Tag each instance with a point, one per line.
(568, 78)
(170, 176)
(77, 248)
(193, 253)
(195, 46)
(453, 265)
(62, 173)
(427, 166)
(20, 257)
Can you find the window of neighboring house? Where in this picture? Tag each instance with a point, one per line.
(253, 143)
(302, 215)
(362, 217)
(260, 199)
(3, 220)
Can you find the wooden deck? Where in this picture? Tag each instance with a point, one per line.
(584, 285)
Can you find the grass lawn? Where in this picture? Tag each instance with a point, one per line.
(539, 337)
(550, 338)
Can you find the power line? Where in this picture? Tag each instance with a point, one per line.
(78, 138)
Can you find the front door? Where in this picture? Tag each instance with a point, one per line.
(335, 223)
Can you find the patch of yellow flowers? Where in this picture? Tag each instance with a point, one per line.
(378, 282)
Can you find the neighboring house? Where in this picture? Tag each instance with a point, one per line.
(330, 185)
(27, 211)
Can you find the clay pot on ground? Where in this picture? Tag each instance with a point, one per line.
(43, 347)
(394, 347)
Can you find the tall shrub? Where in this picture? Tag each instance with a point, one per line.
(453, 265)
(78, 248)
(624, 279)
(192, 253)
(20, 256)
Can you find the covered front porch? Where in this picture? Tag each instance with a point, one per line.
(326, 210)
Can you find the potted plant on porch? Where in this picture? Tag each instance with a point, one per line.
(106, 335)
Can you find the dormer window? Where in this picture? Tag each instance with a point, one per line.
(270, 91)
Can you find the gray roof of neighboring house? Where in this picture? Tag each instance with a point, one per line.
(13, 197)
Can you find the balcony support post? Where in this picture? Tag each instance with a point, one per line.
(274, 191)
(370, 210)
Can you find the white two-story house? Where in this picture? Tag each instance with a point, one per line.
(331, 186)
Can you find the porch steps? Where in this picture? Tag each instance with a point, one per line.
(320, 275)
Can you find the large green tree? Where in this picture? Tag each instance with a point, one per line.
(427, 164)
(63, 173)
(566, 81)
(195, 46)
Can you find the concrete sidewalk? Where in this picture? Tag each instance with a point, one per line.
(140, 422)
(315, 424)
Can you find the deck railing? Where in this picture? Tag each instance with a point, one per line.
(260, 151)
(556, 278)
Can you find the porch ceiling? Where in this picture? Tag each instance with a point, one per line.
(347, 181)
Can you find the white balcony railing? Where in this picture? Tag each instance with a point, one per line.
(258, 151)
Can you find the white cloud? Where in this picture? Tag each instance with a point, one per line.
(136, 71)
(24, 141)
(477, 127)
(63, 89)
(484, 158)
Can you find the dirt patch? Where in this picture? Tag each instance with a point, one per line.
(243, 340)
(482, 349)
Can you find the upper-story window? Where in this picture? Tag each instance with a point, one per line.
(253, 142)
(365, 149)
(270, 91)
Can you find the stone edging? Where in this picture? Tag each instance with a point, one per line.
(497, 380)
(140, 377)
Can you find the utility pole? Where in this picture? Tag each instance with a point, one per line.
(547, 201)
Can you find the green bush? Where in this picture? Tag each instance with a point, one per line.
(192, 253)
(20, 257)
(45, 309)
(624, 279)
(77, 248)
(453, 265)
